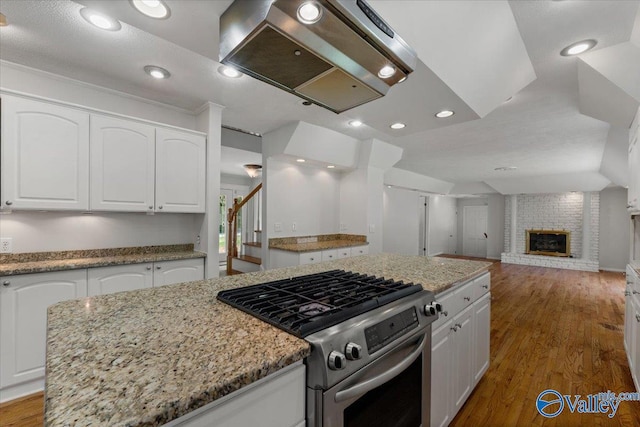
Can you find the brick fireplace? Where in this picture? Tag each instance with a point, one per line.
(576, 214)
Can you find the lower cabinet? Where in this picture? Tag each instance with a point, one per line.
(107, 280)
(459, 347)
(277, 400)
(23, 326)
(280, 258)
(632, 325)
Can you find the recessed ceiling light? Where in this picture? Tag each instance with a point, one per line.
(386, 71)
(330, 167)
(228, 71)
(444, 114)
(398, 126)
(157, 72)
(99, 20)
(506, 168)
(309, 12)
(355, 123)
(152, 8)
(300, 160)
(578, 48)
(508, 99)
(3, 20)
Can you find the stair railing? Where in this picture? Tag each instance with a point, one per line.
(232, 227)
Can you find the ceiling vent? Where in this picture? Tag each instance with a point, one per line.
(339, 56)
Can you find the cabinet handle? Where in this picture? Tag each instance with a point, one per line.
(459, 325)
(635, 292)
(149, 268)
(455, 328)
(311, 259)
(445, 313)
(8, 203)
(6, 283)
(159, 207)
(158, 267)
(485, 286)
(150, 207)
(467, 298)
(627, 293)
(638, 317)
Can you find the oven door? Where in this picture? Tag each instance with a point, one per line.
(392, 391)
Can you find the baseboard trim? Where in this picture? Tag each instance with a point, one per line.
(614, 270)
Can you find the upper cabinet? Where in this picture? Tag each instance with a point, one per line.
(56, 157)
(633, 192)
(180, 171)
(122, 165)
(44, 155)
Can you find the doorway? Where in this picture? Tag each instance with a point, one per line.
(474, 231)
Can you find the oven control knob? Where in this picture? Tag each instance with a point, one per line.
(353, 351)
(337, 361)
(429, 310)
(438, 306)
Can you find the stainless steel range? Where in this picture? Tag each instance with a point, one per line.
(370, 343)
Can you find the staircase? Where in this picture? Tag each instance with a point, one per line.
(247, 259)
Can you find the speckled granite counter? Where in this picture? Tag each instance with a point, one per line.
(39, 262)
(149, 356)
(317, 243)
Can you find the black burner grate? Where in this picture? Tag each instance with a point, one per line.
(307, 304)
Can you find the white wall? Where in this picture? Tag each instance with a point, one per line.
(442, 225)
(353, 202)
(614, 229)
(401, 221)
(49, 231)
(307, 196)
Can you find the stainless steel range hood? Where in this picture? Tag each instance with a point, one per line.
(333, 62)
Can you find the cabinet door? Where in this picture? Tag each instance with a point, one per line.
(635, 353)
(45, 156)
(633, 192)
(629, 313)
(344, 253)
(359, 250)
(179, 271)
(180, 171)
(481, 336)
(329, 255)
(462, 358)
(310, 258)
(122, 165)
(441, 390)
(108, 280)
(23, 323)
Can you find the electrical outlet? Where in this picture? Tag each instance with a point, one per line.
(277, 226)
(6, 245)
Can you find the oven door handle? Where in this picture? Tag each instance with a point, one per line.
(370, 384)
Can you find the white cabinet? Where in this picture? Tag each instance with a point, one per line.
(180, 171)
(44, 155)
(459, 347)
(23, 325)
(481, 336)
(329, 255)
(632, 325)
(633, 192)
(359, 250)
(120, 278)
(462, 357)
(344, 253)
(122, 165)
(179, 271)
(309, 258)
(277, 400)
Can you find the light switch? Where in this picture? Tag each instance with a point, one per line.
(372, 228)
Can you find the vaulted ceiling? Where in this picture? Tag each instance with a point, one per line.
(563, 128)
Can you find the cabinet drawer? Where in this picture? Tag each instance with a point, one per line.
(481, 286)
(310, 258)
(447, 313)
(330, 255)
(344, 253)
(462, 298)
(359, 250)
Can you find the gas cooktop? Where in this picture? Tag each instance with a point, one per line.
(307, 304)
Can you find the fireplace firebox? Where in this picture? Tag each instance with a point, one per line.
(549, 242)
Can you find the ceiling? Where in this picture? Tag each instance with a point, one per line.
(473, 56)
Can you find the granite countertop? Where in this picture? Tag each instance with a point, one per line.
(40, 262)
(317, 243)
(143, 358)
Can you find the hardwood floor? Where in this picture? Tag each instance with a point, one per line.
(550, 329)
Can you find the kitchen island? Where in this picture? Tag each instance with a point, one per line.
(151, 356)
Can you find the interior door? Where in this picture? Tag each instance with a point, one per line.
(474, 231)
